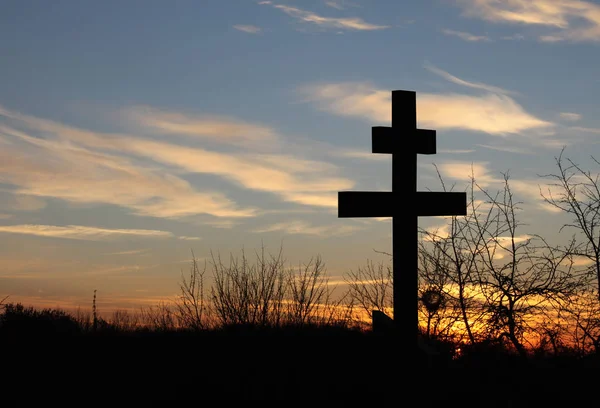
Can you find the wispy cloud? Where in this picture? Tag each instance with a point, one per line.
(573, 20)
(570, 116)
(509, 149)
(250, 29)
(513, 37)
(335, 4)
(466, 36)
(586, 129)
(186, 238)
(132, 252)
(491, 113)
(81, 232)
(218, 129)
(456, 151)
(476, 85)
(66, 166)
(360, 154)
(527, 190)
(348, 23)
(142, 174)
(305, 228)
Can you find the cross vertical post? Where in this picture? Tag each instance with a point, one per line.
(404, 230)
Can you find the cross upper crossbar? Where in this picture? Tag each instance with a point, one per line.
(386, 140)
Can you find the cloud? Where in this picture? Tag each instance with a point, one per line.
(219, 129)
(351, 23)
(250, 29)
(495, 114)
(132, 252)
(185, 238)
(572, 20)
(360, 154)
(82, 166)
(81, 232)
(305, 228)
(585, 129)
(466, 36)
(529, 189)
(63, 167)
(456, 151)
(509, 149)
(459, 170)
(476, 85)
(570, 116)
(335, 4)
(514, 37)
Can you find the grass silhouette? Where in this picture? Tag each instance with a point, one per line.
(49, 353)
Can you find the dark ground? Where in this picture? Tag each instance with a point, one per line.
(285, 367)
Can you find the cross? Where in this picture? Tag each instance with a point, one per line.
(404, 203)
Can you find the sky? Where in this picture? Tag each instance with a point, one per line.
(135, 133)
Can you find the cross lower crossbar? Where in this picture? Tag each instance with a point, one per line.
(368, 204)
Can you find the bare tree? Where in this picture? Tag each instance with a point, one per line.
(190, 304)
(370, 287)
(308, 290)
(245, 293)
(160, 317)
(447, 264)
(520, 275)
(500, 280)
(578, 195)
(122, 320)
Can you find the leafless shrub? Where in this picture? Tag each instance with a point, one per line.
(370, 288)
(190, 306)
(160, 317)
(249, 293)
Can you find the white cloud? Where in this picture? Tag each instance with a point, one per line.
(466, 36)
(132, 252)
(476, 85)
(219, 129)
(509, 149)
(459, 170)
(585, 129)
(456, 151)
(82, 166)
(571, 20)
(570, 116)
(491, 113)
(305, 228)
(250, 29)
(360, 154)
(351, 23)
(185, 238)
(514, 37)
(335, 4)
(81, 232)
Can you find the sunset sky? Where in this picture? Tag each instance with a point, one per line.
(135, 132)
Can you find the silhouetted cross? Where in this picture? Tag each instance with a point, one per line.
(404, 203)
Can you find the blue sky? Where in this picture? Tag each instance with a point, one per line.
(132, 132)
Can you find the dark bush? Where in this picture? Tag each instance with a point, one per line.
(21, 321)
